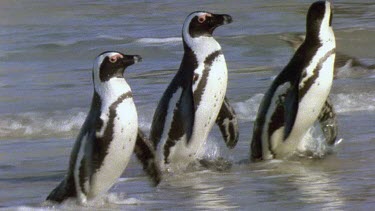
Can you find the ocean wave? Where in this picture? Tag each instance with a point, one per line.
(67, 123)
(110, 37)
(343, 103)
(354, 102)
(168, 40)
(26, 208)
(41, 125)
(248, 109)
(58, 44)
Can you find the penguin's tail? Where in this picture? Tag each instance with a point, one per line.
(64, 190)
(145, 153)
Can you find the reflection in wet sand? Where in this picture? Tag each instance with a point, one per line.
(311, 185)
(204, 193)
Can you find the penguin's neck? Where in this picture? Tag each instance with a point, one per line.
(112, 89)
(202, 46)
(325, 37)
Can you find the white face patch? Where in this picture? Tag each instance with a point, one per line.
(112, 89)
(99, 60)
(201, 46)
(326, 32)
(185, 27)
(197, 43)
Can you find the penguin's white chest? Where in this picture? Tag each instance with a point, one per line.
(207, 110)
(211, 101)
(120, 149)
(312, 102)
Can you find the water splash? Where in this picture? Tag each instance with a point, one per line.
(248, 109)
(41, 125)
(121, 199)
(314, 144)
(354, 102)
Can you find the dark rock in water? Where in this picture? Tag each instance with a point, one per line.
(345, 65)
(219, 164)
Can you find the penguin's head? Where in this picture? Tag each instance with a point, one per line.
(111, 64)
(202, 24)
(319, 21)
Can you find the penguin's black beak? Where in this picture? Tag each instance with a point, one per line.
(219, 19)
(128, 60)
(137, 58)
(216, 20)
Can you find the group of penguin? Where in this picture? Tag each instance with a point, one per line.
(193, 102)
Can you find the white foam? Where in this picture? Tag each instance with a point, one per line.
(211, 149)
(25, 208)
(48, 124)
(110, 37)
(66, 42)
(315, 143)
(354, 102)
(168, 40)
(118, 198)
(37, 124)
(248, 109)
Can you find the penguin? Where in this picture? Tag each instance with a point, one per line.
(345, 65)
(195, 98)
(298, 95)
(107, 138)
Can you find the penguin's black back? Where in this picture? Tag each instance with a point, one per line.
(183, 79)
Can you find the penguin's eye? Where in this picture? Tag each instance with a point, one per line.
(201, 19)
(113, 59)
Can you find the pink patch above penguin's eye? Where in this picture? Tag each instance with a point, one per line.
(113, 59)
(201, 19)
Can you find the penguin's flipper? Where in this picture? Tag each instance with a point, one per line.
(328, 122)
(228, 124)
(64, 190)
(183, 110)
(290, 109)
(259, 125)
(145, 153)
(182, 122)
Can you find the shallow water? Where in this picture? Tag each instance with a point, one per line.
(46, 54)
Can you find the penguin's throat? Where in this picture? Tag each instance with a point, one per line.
(326, 35)
(202, 46)
(112, 89)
